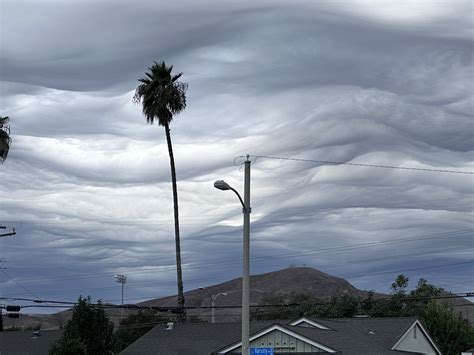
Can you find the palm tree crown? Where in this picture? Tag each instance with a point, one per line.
(5, 139)
(161, 94)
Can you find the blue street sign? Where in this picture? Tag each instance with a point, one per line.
(261, 351)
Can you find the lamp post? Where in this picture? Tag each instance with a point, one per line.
(7, 234)
(213, 301)
(222, 185)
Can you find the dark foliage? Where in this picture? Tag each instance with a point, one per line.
(161, 94)
(451, 333)
(89, 331)
(5, 139)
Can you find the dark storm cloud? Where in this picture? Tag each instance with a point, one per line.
(87, 186)
(101, 44)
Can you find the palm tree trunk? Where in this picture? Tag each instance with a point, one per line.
(182, 314)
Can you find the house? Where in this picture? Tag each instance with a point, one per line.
(367, 336)
(27, 342)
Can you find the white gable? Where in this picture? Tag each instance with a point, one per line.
(308, 323)
(416, 339)
(281, 340)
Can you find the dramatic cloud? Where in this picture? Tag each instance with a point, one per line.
(87, 181)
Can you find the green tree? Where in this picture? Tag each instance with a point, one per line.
(5, 139)
(399, 286)
(424, 289)
(451, 333)
(89, 331)
(162, 96)
(419, 298)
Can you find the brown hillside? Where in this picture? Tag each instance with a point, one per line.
(282, 282)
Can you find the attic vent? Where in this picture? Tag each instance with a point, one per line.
(371, 332)
(36, 334)
(169, 326)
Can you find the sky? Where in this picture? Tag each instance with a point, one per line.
(87, 186)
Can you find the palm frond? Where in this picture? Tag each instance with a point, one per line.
(5, 139)
(160, 94)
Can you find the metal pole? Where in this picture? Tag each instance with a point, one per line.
(246, 263)
(122, 292)
(213, 320)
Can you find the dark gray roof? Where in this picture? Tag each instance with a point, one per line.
(382, 331)
(24, 343)
(358, 336)
(190, 338)
(350, 336)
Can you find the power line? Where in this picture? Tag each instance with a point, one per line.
(140, 272)
(208, 279)
(361, 164)
(18, 284)
(220, 262)
(407, 298)
(412, 269)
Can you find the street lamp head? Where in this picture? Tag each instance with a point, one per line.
(221, 185)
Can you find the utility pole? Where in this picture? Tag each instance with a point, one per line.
(246, 263)
(222, 185)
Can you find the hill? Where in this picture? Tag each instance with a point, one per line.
(281, 282)
(278, 283)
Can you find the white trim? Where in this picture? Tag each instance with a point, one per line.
(281, 329)
(425, 333)
(309, 321)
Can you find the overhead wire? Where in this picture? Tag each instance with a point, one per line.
(140, 272)
(362, 164)
(220, 262)
(210, 279)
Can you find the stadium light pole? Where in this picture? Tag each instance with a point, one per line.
(222, 185)
(121, 279)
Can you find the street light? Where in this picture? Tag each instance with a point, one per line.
(213, 301)
(222, 185)
(7, 234)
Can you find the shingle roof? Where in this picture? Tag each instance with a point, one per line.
(190, 338)
(354, 336)
(24, 343)
(350, 336)
(382, 331)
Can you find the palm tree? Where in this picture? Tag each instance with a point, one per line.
(162, 96)
(5, 139)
